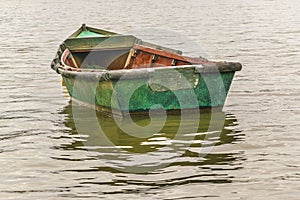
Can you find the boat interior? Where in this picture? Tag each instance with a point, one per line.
(126, 58)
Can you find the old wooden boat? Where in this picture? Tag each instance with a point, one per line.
(123, 73)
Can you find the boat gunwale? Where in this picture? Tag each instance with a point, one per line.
(104, 75)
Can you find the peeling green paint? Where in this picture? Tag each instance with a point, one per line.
(208, 91)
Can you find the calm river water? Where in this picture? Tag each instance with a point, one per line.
(44, 155)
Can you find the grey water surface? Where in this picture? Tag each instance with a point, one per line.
(47, 153)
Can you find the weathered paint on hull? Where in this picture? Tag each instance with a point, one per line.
(123, 95)
(94, 62)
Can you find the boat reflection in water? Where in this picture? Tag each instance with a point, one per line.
(149, 144)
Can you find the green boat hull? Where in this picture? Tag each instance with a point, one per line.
(122, 73)
(136, 95)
